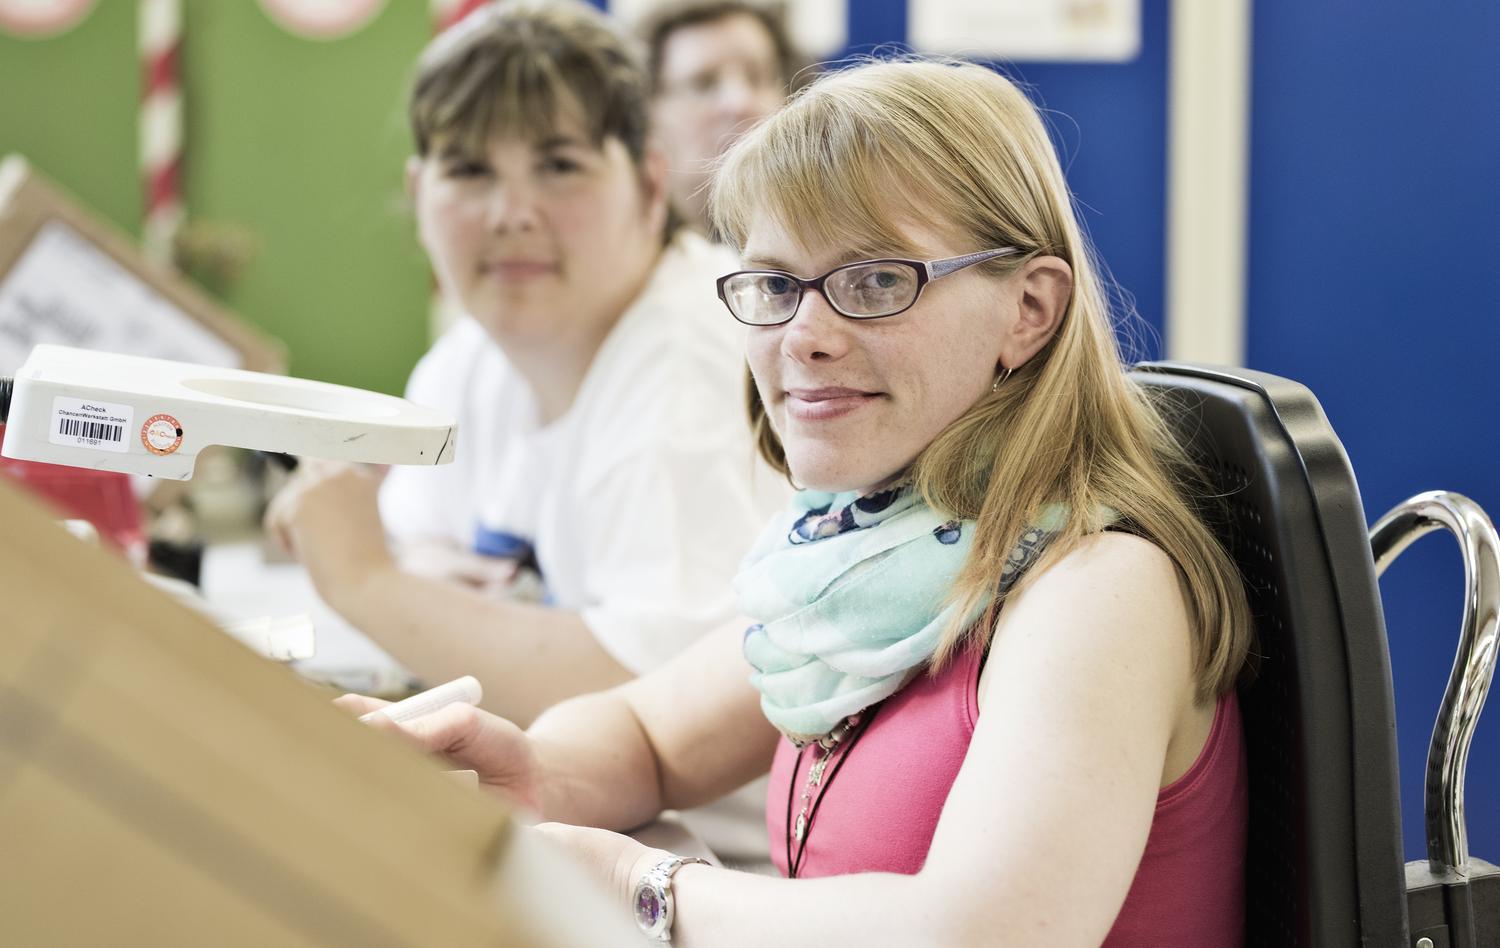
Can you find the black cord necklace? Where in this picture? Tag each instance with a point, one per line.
(840, 741)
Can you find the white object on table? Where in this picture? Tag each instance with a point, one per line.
(237, 580)
(465, 690)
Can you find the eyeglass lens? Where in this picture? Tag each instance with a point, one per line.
(863, 290)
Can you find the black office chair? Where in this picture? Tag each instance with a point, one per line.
(1325, 864)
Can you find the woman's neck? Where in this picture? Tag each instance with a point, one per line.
(555, 368)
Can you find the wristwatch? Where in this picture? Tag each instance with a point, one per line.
(653, 898)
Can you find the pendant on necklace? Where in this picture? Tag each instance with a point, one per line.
(815, 772)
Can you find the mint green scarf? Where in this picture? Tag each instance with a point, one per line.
(848, 595)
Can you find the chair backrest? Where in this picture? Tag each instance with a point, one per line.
(1325, 857)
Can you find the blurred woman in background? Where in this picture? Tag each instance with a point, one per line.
(602, 446)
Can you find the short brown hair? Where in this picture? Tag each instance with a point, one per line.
(520, 66)
(680, 14)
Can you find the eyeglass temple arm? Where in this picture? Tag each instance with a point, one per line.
(939, 268)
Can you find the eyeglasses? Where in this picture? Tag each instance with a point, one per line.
(869, 289)
(706, 86)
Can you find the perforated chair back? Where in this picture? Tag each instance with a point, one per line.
(1325, 858)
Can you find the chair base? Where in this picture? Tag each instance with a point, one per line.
(1453, 911)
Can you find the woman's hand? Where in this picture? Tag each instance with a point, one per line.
(444, 560)
(469, 739)
(328, 518)
(612, 858)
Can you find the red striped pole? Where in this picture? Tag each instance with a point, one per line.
(160, 130)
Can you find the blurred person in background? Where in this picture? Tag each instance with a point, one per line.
(603, 444)
(717, 68)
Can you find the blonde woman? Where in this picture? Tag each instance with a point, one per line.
(991, 649)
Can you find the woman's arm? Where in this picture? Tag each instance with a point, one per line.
(683, 735)
(1087, 682)
(528, 656)
(679, 737)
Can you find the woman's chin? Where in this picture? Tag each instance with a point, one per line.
(830, 478)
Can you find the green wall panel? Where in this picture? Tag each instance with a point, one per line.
(295, 144)
(69, 104)
(301, 143)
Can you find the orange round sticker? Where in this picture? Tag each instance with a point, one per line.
(161, 434)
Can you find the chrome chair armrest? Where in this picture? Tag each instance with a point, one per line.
(1473, 666)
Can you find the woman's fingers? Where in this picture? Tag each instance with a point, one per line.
(358, 704)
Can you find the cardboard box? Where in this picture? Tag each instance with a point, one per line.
(160, 784)
(68, 277)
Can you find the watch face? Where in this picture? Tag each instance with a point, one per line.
(648, 907)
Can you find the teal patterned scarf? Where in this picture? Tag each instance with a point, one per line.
(848, 595)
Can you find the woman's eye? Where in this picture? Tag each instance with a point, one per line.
(466, 169)
(881, 280)
(559, 165)
(778, 286)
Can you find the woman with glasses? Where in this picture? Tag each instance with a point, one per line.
(990, 652)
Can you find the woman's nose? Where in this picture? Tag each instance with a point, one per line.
(816, 333)
(510, 205)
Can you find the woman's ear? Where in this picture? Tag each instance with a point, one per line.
(1043, 288)
(413, 179)
(654, 186)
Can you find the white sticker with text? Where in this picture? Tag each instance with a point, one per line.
(78, 423)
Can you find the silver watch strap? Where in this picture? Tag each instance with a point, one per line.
(656, 915)
(668, 867)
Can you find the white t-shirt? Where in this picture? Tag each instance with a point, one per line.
(640, 501)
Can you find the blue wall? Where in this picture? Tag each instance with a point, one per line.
(1374, 268)
(1374, 274)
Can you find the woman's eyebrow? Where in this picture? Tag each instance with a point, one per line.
(456, 151)
(758, 262)
(561, 141)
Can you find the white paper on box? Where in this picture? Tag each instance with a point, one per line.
(64, 290)
(1035, 30)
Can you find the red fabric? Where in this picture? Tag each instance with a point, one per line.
(103, 498)
(880, 813)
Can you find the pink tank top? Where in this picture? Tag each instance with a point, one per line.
(880, 812)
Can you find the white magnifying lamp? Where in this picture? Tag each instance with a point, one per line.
(110, 412)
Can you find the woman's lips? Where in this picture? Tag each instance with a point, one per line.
(518, 270)
(822, 404)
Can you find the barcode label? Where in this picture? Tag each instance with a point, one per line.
(84, 423)
(90, 430)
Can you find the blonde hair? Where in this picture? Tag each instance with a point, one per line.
(859, 154)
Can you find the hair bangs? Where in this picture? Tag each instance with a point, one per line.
(529, 70)
(519, 97)
(822, 172)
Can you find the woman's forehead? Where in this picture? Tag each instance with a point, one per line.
(510, 119)
(775, 242)
(564, 130)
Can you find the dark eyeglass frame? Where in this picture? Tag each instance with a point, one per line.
(926, 270)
